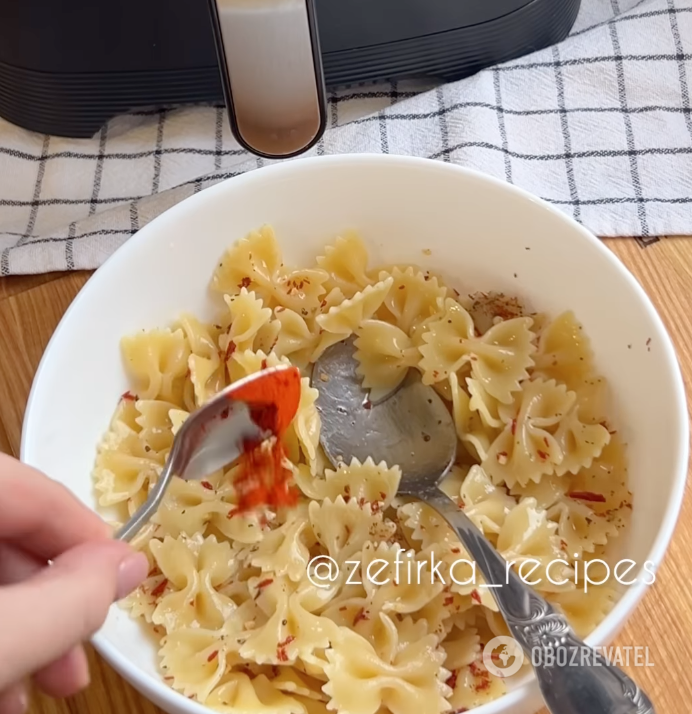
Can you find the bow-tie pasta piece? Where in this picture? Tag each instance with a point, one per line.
(603, 485)
(528, 541)
(188, 507)
(489, 409)
(475, 435)
(156, 427)
(499, 359)
(360, 682)
(283, 551)
(204, 362)
(243, 364)
(125, 466)
(564, 352)
(346, 262)
(291, 631)
(303, 434)
(474, 686)
(343, 320)
(586, 610)
(295, 339)
(428, 528)
(485, 504)
(193, 570)
(453, 481)
(343, 528)
(237, 693)
(463, 648)
(414, 297)
(547, 492)
(579, 528)
(579, 443)
(253, 263)
(384, 353)
(527, 449)
(364, 483)
(156, 362)
(247, 317)
(195, 659)
(296, 683)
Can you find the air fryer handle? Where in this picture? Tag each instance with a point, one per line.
(271, 69)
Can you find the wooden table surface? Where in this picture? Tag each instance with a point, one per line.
(31, 307)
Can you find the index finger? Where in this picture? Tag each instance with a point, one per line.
(42, 515)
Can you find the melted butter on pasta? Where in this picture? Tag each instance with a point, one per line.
(541, 472)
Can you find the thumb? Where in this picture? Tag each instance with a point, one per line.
(45, 616)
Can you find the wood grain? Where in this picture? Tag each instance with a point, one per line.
(31, 307)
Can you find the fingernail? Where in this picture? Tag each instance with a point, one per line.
(14, 701)
(131, 573)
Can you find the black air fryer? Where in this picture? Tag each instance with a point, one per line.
(68, 66)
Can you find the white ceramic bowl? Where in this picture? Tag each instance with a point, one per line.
(482, 234)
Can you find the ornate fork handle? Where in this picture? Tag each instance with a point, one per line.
(573, 677)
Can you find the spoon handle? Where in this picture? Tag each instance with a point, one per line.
(573, 677)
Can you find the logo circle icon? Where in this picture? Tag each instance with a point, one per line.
(503, 657)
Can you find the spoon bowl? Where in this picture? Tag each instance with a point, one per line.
(412, 427)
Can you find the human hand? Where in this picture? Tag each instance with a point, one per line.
(46, 612)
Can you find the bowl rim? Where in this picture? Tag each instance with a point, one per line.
(157, 690)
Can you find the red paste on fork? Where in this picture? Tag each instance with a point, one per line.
(263, 479)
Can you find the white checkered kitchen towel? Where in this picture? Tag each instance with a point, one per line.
(600, 126)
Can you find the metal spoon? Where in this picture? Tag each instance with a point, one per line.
(213, 436)
(414, 430)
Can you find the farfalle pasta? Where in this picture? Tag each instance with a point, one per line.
(231, 596)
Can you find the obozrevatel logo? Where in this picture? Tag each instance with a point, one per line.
(503, 657)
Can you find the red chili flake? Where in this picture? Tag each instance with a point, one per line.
(128, 396)
(275, 671)
(476, 670)
(168, 679)
(232, 512)
(546, 442)
(456, 550)
(281, 655)
(449, 601)
(213, 656)
(158, 590)
(343, 608)
(153, 571)
(361, 502)
(245, 282)
(347, 489)
(207, 485)
(287, 641)
(367, 404)
(502, 457)
(542, 455)
(648, 342)
(436, 374)
(452, 679)
(264, 364)
(265, 583)
(158, 630)
(587, 496)
(475, 596)
(230, 349)
(383, 496)
(224, 414)
(563, 544)
(360, 615)
(514, 427)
